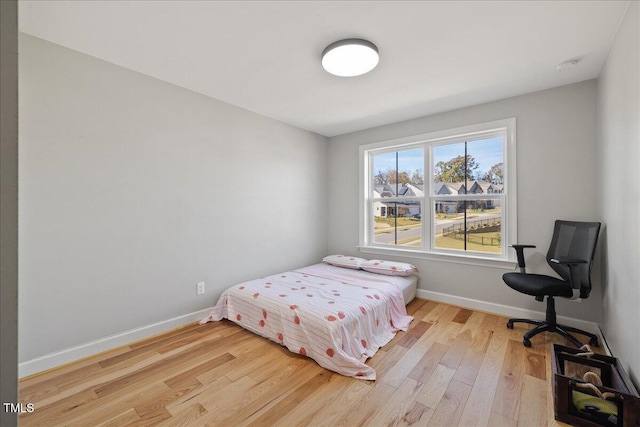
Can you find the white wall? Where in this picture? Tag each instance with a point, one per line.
(619, 190)
(133, 190)
(556, 144)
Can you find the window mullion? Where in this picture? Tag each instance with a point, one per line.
(428, 216)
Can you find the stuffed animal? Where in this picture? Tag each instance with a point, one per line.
(596, 406)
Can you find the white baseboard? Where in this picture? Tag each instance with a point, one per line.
(507, 311)
(72, 354)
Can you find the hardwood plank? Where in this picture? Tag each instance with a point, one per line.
(312, 408)
(407, 364)
(78, 384)
(188, 376)
(507, 400)
(499, 420)
(351, 397)
(35, 393)
(173, 335)
(232, 369)
(428, 363)
(272, 391)
(441, 325)
(438, 310)
(71, 368)
(125, 418)
(396, 410)
(69, 385)
(157, 402)
(224, 401)
(82, 386)
(187, 417)
(223, 328)
(153, 418)
(184, 402)
(36, 390)
(334, 403)
(100, 410)
(415, 305)
(534, 413)
(458, 349)
(462, 316)
(535, 364)
(363, 412)
(441, 319)
(383, 361)
(163, 369)
(478, 408)
(416, 414)
(301, 394)
(192, 338)
(156, 343)
(57, 413)
(472, 361)
(433, 390)
(451, 405)
(422, 311)
(472, 325)
(268, 354)
(449, 333)
(407, 339)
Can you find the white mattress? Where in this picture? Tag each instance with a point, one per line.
(337, 316)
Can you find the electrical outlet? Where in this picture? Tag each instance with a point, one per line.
(200, 288)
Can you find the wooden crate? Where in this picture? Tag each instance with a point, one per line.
(582, 407)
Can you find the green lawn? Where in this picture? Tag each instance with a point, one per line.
(474, 242)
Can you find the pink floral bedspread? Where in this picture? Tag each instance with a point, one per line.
(326, 313)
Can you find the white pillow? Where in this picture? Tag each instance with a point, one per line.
(389, 268)
(344, 261)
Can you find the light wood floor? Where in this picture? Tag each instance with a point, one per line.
(453, 367)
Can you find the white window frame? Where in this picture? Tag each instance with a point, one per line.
(505, 127)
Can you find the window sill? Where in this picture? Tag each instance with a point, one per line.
(504, 264)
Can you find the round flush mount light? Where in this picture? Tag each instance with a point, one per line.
(350, 57)
(567, 65)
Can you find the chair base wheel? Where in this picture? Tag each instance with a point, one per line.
(550, 325)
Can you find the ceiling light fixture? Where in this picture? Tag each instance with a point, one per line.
(567, 65)
(350, 57)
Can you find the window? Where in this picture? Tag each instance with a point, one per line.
(464, 206)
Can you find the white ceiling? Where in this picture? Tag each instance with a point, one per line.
(265, 55)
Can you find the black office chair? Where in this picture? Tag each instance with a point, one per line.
(570, 255)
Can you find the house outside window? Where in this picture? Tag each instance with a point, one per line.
(446, 194)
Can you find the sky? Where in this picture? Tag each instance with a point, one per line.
(487, 152)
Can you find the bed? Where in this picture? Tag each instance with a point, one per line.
(337, 316)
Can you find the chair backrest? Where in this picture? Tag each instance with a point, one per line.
(578, 240)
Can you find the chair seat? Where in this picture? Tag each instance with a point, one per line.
(537, 284)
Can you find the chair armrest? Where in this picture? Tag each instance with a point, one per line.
(520, 253)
